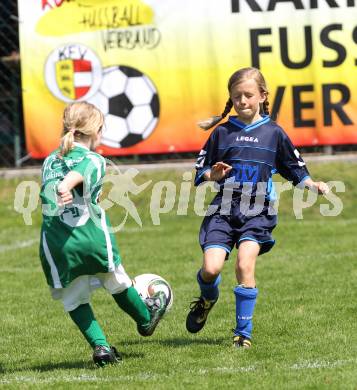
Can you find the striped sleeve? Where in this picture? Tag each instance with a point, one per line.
(206, 158)
(92, 168)
(289, 163)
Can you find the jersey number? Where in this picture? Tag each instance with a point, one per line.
(76, 214)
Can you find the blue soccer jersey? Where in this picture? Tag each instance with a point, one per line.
(255, 152)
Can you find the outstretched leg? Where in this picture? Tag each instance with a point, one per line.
(146, 314)
(130, 301)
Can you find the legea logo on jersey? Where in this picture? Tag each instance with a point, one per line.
(73, 72)
(243, 138)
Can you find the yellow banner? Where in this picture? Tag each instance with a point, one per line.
(157, 67)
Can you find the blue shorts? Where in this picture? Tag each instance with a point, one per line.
(227, 231)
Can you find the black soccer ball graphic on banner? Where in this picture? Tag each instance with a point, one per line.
(130, 103)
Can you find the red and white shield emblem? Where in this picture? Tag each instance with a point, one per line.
(73, 74)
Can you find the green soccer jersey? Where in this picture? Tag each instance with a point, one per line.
(75, 239)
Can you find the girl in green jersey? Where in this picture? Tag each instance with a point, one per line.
(78, 251)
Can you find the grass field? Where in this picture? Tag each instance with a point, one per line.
(305, 325)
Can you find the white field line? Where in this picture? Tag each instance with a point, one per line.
(82, 378)
(234, 369)
(319, 364)
(303, 365)
(18, 245)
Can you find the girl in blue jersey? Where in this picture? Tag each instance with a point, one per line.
(241, 155)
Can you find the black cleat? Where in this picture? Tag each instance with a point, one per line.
(157, 306)
(241, 342)
(198, 314)
(103, 355)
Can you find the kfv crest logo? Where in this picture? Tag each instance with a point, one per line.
(73, 72)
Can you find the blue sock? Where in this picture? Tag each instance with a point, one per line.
(245, 302)
(209, 290)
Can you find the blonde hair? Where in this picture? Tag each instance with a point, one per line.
(236, 78)
(81, 120)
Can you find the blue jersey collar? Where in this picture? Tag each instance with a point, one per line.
(244, 126)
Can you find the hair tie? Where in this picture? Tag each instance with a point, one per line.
(72, 131)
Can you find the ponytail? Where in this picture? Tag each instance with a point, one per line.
(207, 124)
(66, 143)
(266, 106)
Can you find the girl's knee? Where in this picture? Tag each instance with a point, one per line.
(245, 264)
(210, 273)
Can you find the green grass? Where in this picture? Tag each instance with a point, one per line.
(305, 325)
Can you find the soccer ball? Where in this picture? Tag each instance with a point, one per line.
(148, 284)
(130, 103)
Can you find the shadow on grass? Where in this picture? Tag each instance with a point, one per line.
(89, 365)
(179, 342)
(73, 365)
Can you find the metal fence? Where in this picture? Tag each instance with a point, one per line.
(11, 127)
